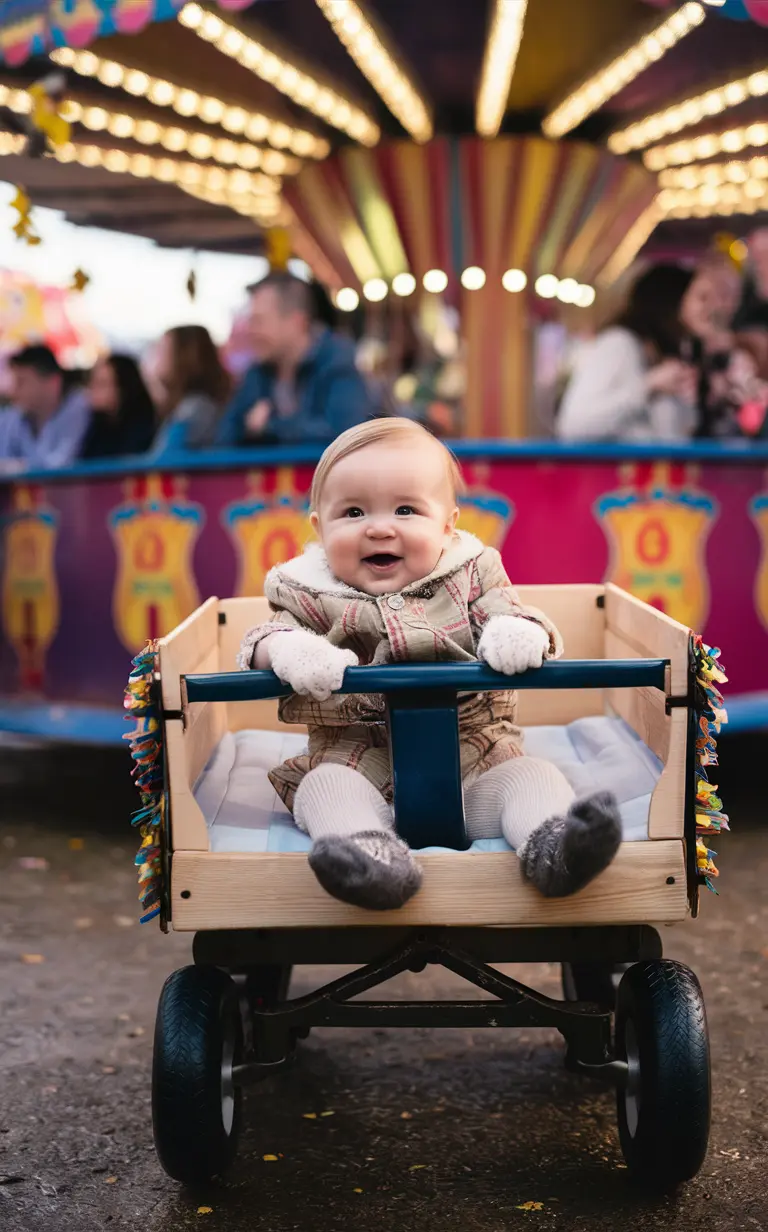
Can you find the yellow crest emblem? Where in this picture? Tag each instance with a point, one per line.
(758, 510)
(267, 529)
(657, 529)
(154, 535)
(30, 593)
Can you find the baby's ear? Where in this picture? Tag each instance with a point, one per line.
(314, 522)
(450, 525)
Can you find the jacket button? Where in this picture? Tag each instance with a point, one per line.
(396, 602)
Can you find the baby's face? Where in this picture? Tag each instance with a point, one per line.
(385, 516)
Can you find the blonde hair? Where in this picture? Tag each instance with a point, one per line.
(374, 431)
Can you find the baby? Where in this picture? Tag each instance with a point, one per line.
(392, 580)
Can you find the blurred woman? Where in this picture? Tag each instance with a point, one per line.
(123, 419)
(194, 386)
(629, 383)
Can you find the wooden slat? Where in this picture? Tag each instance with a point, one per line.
(483, 889)
(650, 633)
(644, 709)
(667, 815)
(188, 828)
(188, 646)
(665, 734)
(240, 616)
(574, 610)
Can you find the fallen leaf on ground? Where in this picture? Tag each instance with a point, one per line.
(83, 922)
(76, 844)
(31, 959)
(205, 1210)
(49, 1090)
(123, 1017)
(357, 1191)
(123, 921)
(309, 1116)
(530, 1206)
(325, 1114)
(415, 1167)
(108, 1069)
(269, 1159)
(30, 863)
(135, 1032)
(406, 1116)
(111, 1180)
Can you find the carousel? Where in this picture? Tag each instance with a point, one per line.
(478, 174)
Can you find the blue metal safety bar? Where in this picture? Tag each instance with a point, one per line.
(394, 678)
(422, 717)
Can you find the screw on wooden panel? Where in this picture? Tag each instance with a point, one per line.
(670, 881)
(186, 893)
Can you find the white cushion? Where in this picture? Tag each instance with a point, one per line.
(244, 813)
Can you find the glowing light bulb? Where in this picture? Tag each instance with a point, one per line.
(473, 278)
(375, 290)
(435, 281)
(546, 286)
(347, 299)
(403, 284)
(514, 280)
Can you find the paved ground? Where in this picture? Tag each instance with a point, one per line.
(430, 1130)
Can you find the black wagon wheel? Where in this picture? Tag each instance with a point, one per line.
(664, 1108)
(196, 1104)
(592, 981)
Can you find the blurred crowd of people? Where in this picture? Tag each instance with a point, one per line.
(686, 359)
(303, 387)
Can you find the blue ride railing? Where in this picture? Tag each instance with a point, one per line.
(422, 717)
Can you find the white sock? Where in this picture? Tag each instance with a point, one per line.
(514, 798)
(335, 800)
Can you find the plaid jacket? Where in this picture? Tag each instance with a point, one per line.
(441, 617)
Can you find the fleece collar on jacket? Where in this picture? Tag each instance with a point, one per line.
(311, 571)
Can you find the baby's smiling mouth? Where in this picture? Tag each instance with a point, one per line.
(382, 560)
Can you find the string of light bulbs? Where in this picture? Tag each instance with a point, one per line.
(690, 111)
(172, 138)
(709, 200)
(610, 80)
(737, 171)
(473, 278)
(506, 34)
(255, 126)
(259, 192)
(297, 84)
(708, 145)
(388, 78)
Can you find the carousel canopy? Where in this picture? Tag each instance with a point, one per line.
(204, 124)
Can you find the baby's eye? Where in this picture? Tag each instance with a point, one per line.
(354, 511)
(403, 511)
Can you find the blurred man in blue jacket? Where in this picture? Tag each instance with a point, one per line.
(45, 424)
(305, 386)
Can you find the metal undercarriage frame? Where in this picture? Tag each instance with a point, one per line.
(271, 1031)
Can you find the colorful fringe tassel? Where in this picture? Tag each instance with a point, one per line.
(147, 753)
(710, 715)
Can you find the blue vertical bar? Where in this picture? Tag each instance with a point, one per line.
(426, 769)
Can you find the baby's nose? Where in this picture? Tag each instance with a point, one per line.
(381, 528)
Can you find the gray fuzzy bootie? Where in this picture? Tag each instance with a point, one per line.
(373, 869)
(565, 853)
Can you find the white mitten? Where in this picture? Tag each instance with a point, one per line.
(308, 663)
(512, 644)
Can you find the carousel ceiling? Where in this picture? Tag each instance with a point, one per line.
(396, 146)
